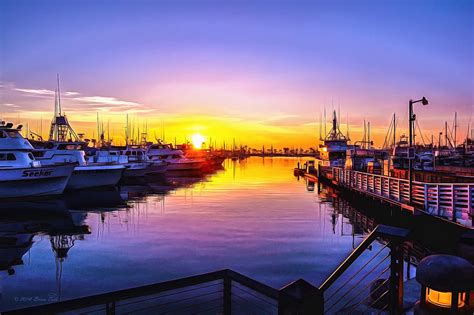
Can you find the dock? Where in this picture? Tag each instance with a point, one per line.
(451, 201)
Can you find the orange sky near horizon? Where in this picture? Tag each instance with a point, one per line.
(255, 133)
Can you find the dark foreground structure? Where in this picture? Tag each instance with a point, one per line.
(375, 278)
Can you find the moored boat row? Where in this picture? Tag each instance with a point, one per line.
(35, 167)
(40, 168)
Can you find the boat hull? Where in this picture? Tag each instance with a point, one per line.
(185, 166)
(32, 182)
(217, 160)
(136, 169)
(157, 168)
(95, 176)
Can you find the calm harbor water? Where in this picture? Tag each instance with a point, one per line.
(252, 216)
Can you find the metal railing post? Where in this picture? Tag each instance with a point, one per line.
(227, 295)
(110, 308)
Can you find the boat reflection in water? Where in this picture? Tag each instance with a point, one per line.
(22, 221)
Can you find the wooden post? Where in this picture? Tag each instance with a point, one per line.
(426, 197)
(396, 278)
(453, 204)
(389, 194)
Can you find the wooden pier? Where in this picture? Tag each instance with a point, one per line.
(452, 201)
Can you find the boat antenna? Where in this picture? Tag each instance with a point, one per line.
(347, 126)
(320, 127)
(59, 97)
(339, 115)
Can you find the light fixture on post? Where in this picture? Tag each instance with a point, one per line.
(446, 284)
(411, 122)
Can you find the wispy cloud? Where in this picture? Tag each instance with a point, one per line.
(35, 91)
(10, 105)
(44, 92)
(105, 101)
(74, 101)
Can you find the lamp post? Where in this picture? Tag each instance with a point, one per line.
(411, 122)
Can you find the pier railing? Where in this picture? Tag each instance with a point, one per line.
(220, 292)
(371, 284)
(454, 201)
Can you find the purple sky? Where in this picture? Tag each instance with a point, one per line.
(271, 64)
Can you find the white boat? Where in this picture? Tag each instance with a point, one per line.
(132, 169)
(176, 159)
(20, 174)
(138, 154)
(85, 175)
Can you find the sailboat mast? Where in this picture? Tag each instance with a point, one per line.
(368, 135)
(446, 133)
(394, 130)
(126, 130)
(365, 135)
(455, 128)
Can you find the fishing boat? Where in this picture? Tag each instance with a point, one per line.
(332, 152)
(21, 175)
(85, 175)
(137, 154)
(364, 159)
(65, 146)
(175, 158)
(114, 156)
(213, 159)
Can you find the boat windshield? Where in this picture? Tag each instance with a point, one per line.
(9, 133)
(13, 134)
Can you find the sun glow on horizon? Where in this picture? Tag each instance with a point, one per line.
(197, 139)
